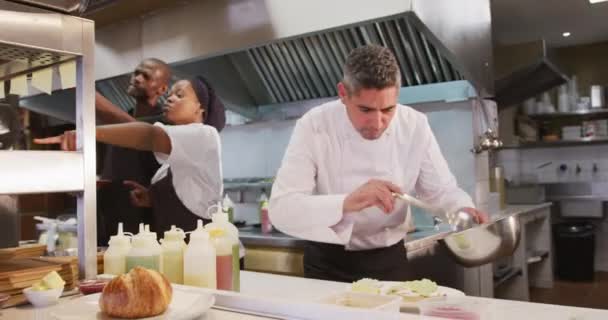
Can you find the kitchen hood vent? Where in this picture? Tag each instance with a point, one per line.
(77, 7)
(524, 71)
(287, 62)
(309, 67)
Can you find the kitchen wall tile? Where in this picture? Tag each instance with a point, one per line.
(508, 155)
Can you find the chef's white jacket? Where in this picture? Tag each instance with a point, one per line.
(327, 159)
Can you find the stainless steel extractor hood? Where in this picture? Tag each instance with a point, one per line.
(524, 71)
(76, 7)
(432, 44)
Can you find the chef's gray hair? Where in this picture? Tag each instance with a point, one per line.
(370, 67)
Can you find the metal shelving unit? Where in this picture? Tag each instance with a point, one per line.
(33, 39)
(579, 113)
(559, 143)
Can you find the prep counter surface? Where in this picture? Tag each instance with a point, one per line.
(297, 289)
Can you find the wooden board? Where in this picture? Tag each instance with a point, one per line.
(24, 251)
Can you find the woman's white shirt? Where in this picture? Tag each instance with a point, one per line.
(195, 162)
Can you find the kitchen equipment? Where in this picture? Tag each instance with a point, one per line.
(18, 274)
(220, 220)
(172, 256)
(199, 260)
(184, 305)
(563, 103)
(582, 208)
(571, 132)
(471, 244)
(59, 235)
(573, 92)
(584, 103)
(497, 184)
(228, 207)
(92, 286)
(145, 251)
(530, 106)
(42, 298)
(588, 129)
(597, 96)
(412, 306)
(223, 243)
(575, 251)
(459, 220)
(115, 258)
(484, 243)
(363, 301)
(454, 308)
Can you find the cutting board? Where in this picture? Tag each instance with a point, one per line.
(17, 274)
(24, 251)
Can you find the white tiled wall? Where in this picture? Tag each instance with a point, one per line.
(254, 150)
(522, 164)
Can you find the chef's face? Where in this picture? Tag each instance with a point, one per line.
(182, 106)
(148, 80)
(370, 110)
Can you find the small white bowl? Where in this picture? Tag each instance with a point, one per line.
(42, 298)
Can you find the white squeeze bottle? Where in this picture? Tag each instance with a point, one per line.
(228, 207)
(220, 221)
(114, 259)
(199, 260)
(172, 256)
(154, 240)
(145, 252)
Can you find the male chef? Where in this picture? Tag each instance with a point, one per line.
(345, 160)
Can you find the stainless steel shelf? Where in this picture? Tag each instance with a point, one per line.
(247, 186)
(41, 171)
(557, 144)
(32, 38)
(579, 113)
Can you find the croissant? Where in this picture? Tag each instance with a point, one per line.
(138, 294)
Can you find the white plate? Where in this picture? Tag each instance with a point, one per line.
(185, 305)
(413, 306)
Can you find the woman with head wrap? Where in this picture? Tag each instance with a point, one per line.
(189, 180)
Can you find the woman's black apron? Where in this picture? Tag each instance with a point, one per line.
(168, 209)
(332, 262)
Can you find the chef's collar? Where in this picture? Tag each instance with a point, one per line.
(350, 131)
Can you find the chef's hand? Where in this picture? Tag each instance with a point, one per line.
(140, 196)
(67, 140)
(479, 216)
(377, 193)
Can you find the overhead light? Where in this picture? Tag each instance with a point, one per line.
(596, 1)
(567, 34)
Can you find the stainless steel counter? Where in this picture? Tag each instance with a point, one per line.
(421, 238)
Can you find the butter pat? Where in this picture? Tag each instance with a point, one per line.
(38, 286)
(53, 280)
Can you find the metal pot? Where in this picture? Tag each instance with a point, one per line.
(484, 243)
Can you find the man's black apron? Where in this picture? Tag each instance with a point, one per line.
(332, 262)
(113, 200)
